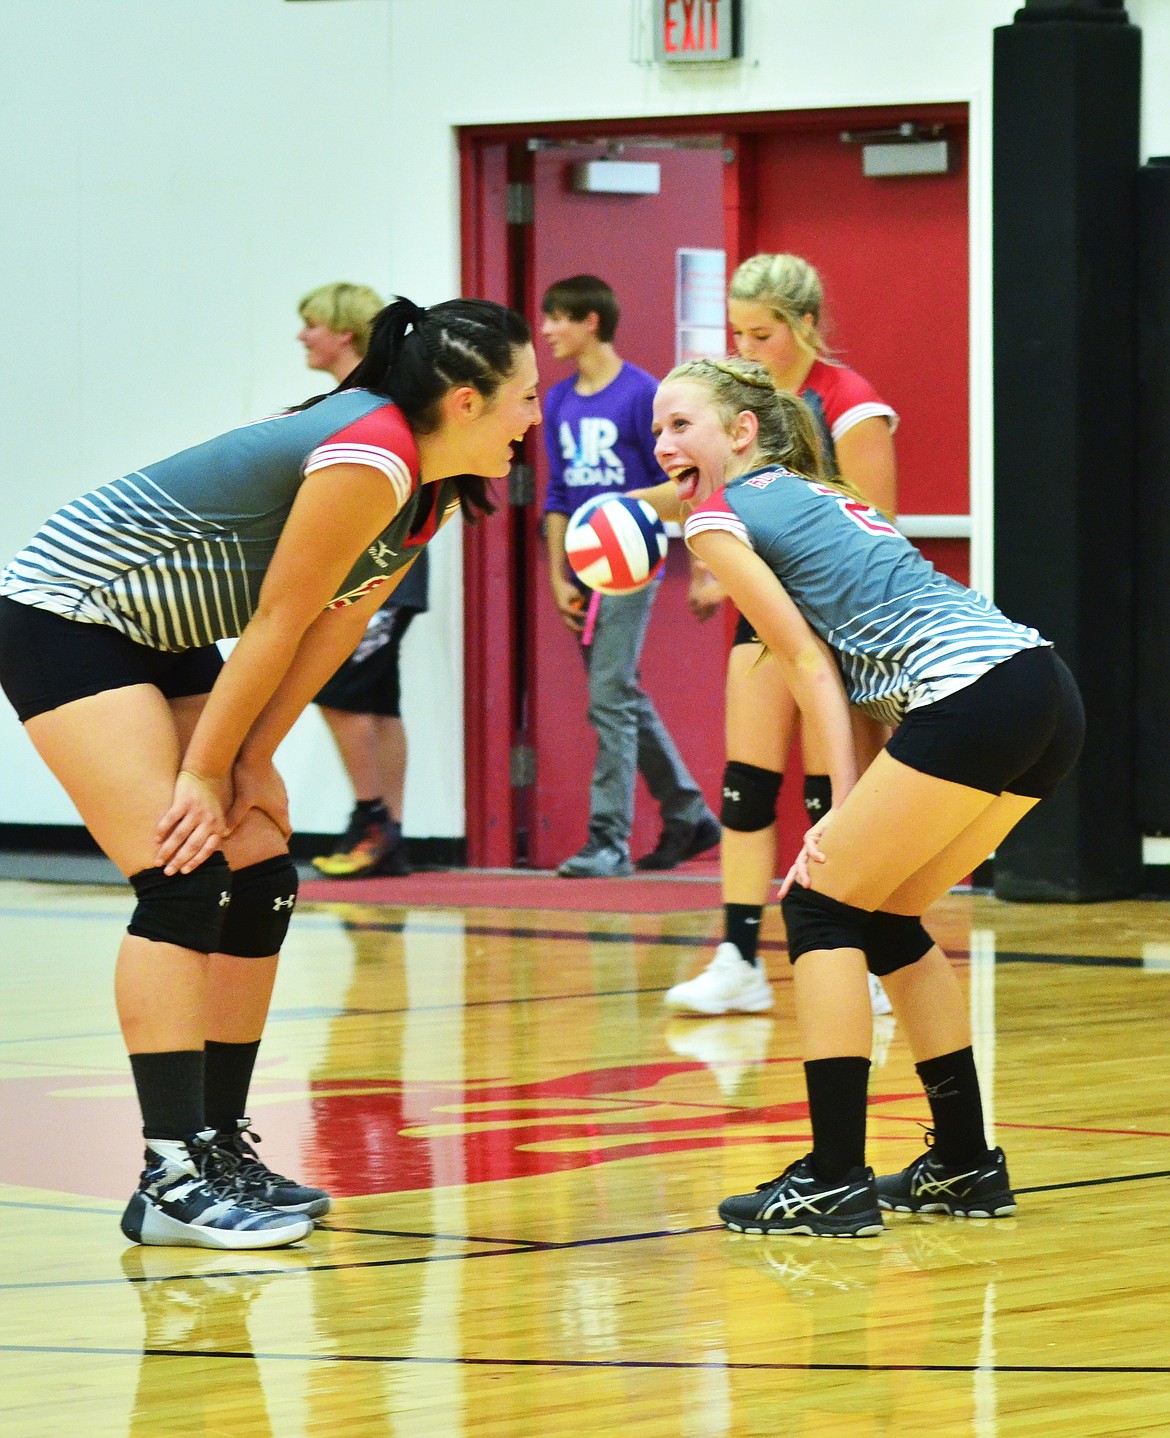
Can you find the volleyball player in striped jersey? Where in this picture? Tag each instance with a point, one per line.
(987, 722)
(775, 305)
(288, 534)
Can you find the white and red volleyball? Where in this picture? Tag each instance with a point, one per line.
(615, 543)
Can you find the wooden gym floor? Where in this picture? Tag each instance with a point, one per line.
(527, 1154)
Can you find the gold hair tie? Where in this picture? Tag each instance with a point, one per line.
(201, 778)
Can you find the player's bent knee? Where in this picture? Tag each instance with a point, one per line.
(183, 909)
(749, 797)
(815, 921)
(263, 898)
(894, 941)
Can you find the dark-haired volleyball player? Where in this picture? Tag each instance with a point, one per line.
(288, 534)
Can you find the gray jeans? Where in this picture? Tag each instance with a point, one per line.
(630, 734)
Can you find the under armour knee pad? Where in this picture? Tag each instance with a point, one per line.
(818, 796)
(814, 921)
(749, 797)
(263, 898)
(894, 941)
(183, 909)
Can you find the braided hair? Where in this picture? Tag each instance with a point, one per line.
(787, 433)
(416, 355)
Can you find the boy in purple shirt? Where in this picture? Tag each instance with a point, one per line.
(597, 431)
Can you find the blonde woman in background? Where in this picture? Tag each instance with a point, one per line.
(336, 330)
(361, 704)
(775, 306)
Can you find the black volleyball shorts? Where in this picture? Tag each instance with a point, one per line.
(1018, 729)
(368, 682)
(47, 660)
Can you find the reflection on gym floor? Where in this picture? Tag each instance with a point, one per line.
(526, 1151)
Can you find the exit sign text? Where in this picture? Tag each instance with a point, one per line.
(686, 31)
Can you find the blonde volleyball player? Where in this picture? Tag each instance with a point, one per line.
(987, 721)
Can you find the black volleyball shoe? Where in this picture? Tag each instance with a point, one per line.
(800, 1202)
(254, 1179)
(188, 1198)
(978, 1190)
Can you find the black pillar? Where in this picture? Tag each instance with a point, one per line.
(1066, 118)
(1152, 589)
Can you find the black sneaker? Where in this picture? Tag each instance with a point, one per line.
(372, 846)
(679, 842)
(980, 1190)
(395, 861)
(252, 1177)
(799, 1202)
(356, 826)
(186, 1198)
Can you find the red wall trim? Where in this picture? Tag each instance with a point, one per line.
(488, 671)
(749, 121)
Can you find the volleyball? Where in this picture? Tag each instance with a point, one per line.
(615, 543)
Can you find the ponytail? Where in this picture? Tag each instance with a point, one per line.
(416, 355)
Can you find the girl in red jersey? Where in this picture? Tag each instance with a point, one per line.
(775, 304)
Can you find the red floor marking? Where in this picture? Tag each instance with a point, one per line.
(56, 1136)
(924, 1118)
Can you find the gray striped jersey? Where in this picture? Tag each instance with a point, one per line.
(174, 554)
(903, 634)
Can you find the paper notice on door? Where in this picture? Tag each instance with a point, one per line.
(699, 300)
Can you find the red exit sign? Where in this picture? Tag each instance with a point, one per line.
(687, 31)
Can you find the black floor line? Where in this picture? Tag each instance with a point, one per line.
(494, 1247)
(593, 1365)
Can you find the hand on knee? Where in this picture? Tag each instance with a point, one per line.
(817, 922)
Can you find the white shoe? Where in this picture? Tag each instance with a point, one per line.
(732, 1048)
(728, 985)
(879, 1000)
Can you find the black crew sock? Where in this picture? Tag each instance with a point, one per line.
(836, 1107)
(741, 927)
(227, 1078)
(818, 796)
(170, 1092)
(952, 1089)
(374, 808)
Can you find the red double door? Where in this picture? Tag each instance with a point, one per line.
(893, 254)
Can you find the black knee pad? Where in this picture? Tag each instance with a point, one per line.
(894, 941)
(814, 921)
(818, 796)
(749, 797)
(263, 898)
(184, 909)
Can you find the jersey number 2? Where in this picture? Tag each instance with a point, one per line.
(858, 511)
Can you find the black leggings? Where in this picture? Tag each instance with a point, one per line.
(1018, 729)
(47, 660)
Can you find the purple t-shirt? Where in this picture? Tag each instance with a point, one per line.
(599, 443)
